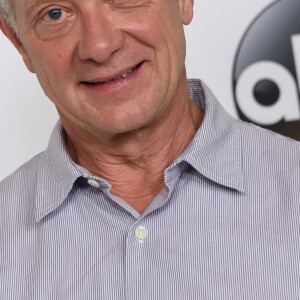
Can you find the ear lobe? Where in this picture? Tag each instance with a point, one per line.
(12, 36)
(26, 60)
(186, 10)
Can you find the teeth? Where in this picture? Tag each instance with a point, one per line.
(121, 76)
(127, 73)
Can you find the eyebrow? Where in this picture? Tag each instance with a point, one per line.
(31, 6)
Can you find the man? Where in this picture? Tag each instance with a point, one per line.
(148, 189)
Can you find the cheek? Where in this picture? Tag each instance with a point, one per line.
(167, 41)
(53, 65)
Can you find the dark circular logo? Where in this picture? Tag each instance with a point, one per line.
(266, 74)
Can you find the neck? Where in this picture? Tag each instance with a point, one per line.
(134, 163)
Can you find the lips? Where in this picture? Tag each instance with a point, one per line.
(112, 78)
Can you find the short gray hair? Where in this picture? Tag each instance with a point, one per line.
(6, 9)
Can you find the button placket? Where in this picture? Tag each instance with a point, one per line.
(137, 247)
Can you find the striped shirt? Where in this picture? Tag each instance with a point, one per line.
(226, 226)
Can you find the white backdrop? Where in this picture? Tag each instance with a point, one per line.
(27, 116)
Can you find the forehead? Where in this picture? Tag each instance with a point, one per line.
(27, 4)
(26, 11)
(25, 7)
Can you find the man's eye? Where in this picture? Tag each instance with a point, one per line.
(54, 15)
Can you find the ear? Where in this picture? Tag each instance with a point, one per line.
(12, 36)
(186, 10)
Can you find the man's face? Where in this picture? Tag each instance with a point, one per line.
(113, 66)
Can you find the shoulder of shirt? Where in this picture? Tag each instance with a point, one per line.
(22, 181)
(265, 147)
(264, 134)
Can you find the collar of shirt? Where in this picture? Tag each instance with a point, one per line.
(215, 152)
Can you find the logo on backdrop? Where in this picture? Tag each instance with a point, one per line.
(266, 74)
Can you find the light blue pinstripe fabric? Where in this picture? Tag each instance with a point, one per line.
(227, 225)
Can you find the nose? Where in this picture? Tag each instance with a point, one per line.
(101, 37)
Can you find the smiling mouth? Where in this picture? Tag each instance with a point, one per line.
(124, 75)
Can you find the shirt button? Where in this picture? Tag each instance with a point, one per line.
(94, 183)
(141, 233)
